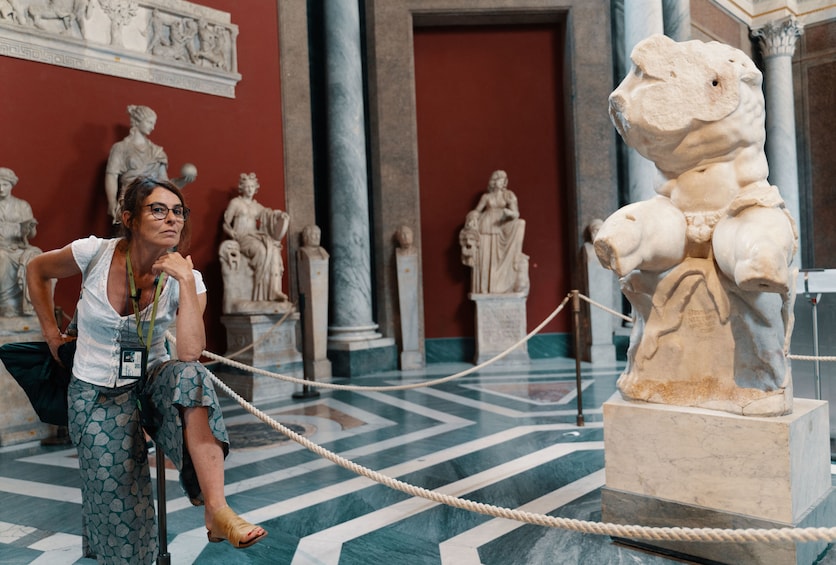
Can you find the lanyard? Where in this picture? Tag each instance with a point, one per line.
(135, 302)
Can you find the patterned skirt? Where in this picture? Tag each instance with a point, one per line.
(106, 426)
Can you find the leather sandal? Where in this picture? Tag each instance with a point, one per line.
(229, 526)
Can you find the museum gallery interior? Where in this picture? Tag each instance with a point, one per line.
(486, 281)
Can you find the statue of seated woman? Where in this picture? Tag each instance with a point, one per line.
(17, 227)
(492, 241)
(251, 260)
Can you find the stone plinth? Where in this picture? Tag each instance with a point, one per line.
(411, 355)
(500, 323)
(18, 421)
(275, 350)
(690, 467)
(313, 286)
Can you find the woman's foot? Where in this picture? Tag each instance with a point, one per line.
(227, 525)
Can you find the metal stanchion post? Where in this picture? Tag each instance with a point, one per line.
(164, 558)
(307, 391)
(576, 316)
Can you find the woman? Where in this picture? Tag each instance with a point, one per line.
(133, 288)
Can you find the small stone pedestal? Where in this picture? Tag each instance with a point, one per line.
(275, 350)
(690, 467)
(500, 323)
(411, 356)
(18, 421)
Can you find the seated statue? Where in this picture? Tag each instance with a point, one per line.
(17, 227)
(251, 261)
(138, 156)
(492, 241)
(707, 262)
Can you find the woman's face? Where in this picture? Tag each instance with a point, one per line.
(249, 187)
(159, 233)
(5, 189)
(146, 124)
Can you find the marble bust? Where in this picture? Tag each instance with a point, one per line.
(17, 227)
(491, 241)
(251, 260)
(707, 262)
(311, 239)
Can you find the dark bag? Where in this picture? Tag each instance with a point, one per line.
(42, 378)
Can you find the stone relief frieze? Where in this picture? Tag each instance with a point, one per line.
(169, 42)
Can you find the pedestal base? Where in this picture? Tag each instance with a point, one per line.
(500, 323)
(690, 467)
(274, 350)
(412, 361)
(18, 421)
(357, 358)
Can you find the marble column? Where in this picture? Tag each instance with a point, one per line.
(642, 18)
(777, 43)
(353, 337)
(677, 18)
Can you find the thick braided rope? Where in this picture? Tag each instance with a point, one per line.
(336, 386)
(629, 319)
(583, 526)
(809, 358)
(604, 308)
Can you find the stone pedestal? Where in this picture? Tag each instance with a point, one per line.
(411, 355)
(599, 349)
(275, 350)
(690, 467)
(313, 285)
(18, 421)
(500, 323)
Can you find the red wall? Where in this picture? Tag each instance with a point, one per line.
(59, 124)
(490, 98)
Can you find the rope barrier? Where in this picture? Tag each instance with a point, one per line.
(581, 526)
(335, 386)
(649, 533)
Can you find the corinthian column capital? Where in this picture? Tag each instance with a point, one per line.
(778, 37)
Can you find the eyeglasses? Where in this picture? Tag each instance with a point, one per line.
(160, 211)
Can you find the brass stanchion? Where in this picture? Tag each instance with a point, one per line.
(576, 317)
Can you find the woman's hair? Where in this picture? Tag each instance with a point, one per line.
(133, 201)
(139, 113)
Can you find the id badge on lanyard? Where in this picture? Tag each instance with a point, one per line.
(133, 361)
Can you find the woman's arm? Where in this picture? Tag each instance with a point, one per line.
(42, 269)
(191, 333)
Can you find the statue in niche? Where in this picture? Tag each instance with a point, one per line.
(17, 227)
(492, 239)
(251, 260)
(707, 263)
(137, 156)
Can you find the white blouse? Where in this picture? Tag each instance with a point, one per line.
(102, 332)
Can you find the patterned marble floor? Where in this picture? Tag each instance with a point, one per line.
(507, 437)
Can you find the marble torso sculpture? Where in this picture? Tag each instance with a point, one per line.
(137, 156)
(251, 260)
(492, 239)
(706, 263)
(17, 226)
